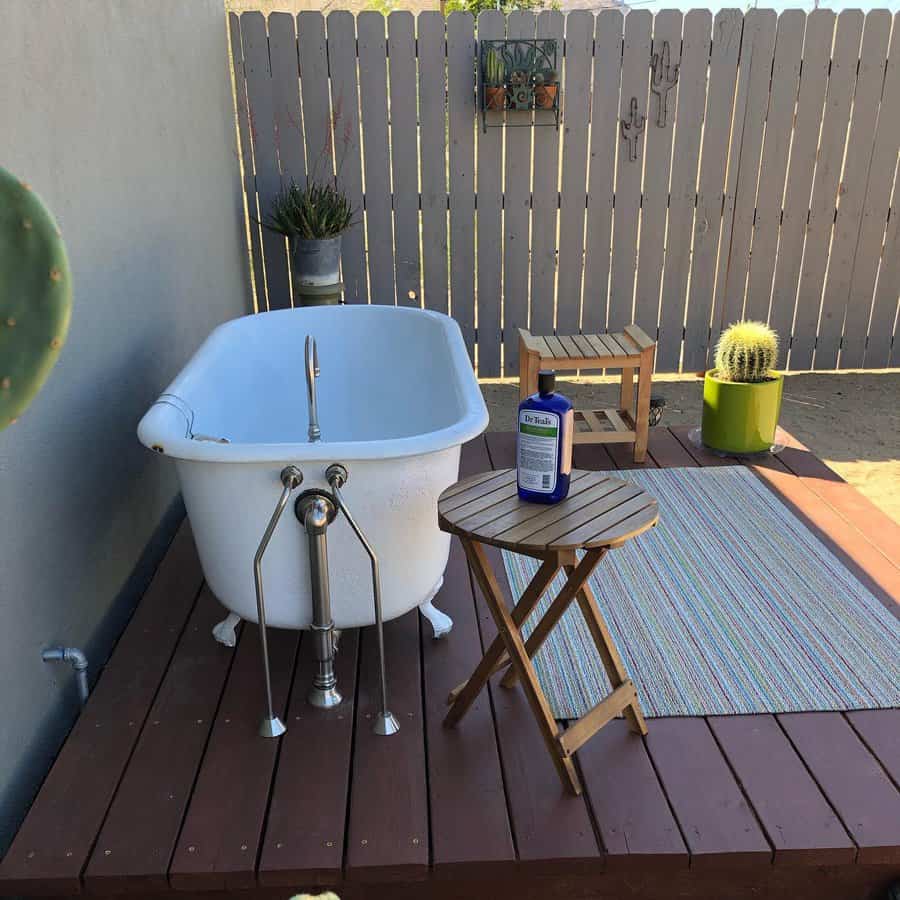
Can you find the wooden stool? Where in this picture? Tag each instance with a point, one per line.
(599, 514)
(629, 350)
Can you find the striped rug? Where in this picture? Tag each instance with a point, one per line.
(730, 605)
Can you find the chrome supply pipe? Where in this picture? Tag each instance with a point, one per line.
(312, 373)
(79, 664)
(317, 511)
(291, 478)
(337, 475)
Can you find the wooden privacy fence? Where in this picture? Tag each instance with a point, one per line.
(764, 188)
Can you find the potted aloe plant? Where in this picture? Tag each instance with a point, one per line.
(494, 80)
(313, 219)
(742, 394)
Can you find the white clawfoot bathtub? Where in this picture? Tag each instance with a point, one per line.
(396, 399)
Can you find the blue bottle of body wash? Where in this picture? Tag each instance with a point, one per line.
(544, 443)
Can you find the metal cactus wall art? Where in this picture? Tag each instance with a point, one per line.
(35, 296)
(665, 77)
(633, 128)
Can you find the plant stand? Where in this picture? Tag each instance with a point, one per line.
(632, 351)
(485, 510)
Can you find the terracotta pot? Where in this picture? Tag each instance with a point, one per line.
(494, 97)
(544, 95)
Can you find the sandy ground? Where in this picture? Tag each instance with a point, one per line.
(849, 419)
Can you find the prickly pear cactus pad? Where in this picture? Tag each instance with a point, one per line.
(35, 296)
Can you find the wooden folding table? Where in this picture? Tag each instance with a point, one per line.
(600, 513)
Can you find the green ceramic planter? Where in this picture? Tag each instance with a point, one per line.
(740, 418)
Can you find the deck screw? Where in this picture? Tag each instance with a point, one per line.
(68, 852)
(31, 854)
(243, 847)
(415, 841)
(329, 843)
(363, 842)
(279, 845)
(107, 852)
(191, 849)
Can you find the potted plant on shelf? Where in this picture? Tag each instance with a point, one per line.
(742, 394)
(546, 85)
(313, 219)
(494, 80)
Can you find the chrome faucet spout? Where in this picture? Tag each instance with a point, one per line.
(312, 373)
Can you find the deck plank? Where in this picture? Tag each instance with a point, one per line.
(852, 780)
(877, 526)
(715, 817)
(880, 732)
(388, 819)
(313, 774)
(798, 820)
(633, 816)
(55, 841)
(135, 845)
(222, 830)
(470, 829)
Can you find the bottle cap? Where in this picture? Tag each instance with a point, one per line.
(546, 381)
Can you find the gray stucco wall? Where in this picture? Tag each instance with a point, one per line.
(119, 113)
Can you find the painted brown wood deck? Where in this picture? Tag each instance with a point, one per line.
(163, 788)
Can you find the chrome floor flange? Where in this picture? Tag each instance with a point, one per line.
(291, 478)
(316, 511)
(337, 475)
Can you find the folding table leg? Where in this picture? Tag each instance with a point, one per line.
(577, 576)
(495, 658)
(516, 649)
(609, 654)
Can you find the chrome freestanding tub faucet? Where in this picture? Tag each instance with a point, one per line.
(312, 373)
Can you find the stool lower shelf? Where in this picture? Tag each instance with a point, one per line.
(604, 426)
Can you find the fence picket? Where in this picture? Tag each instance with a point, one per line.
(726, 44)
(683, 192)
(404, 155)
(245, 148)
(810, 105)
(655, 195)
(635, 86)
(265, 154)
(545, 201)
(573, 196)
(286, 98)
(852, 191)
(754, 79)
(838, 98)
(607, 72)
(773, 169)
(516, 211)
(874, 213)
(491, 27)
(462, 119)
(879, 351)
(376, 155)
(348, 156)
(433, 161)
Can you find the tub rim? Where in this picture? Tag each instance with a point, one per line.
(161, 427)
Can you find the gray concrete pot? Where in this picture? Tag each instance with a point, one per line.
(316, 262)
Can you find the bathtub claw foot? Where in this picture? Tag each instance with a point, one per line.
(441, 623)
(224, 632)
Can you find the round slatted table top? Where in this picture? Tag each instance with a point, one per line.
(600, 511)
